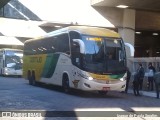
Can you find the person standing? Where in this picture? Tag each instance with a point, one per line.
(157, 83)
(136, 85)
(140, 75)
(150, 76)
(127, 79)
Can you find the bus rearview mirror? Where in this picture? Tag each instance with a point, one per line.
(131, 49)
(81, 45)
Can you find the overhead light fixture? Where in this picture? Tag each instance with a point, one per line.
(138, 32)
(122, 6)
(57, 26)
(155, 34)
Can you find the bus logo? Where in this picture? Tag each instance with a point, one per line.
(75, 83)
(36, 59)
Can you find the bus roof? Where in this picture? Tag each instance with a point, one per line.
(96, 31)
(88, 30)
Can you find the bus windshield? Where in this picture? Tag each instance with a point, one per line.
(13, 59)
(103, 55)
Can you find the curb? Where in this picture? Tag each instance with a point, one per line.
(145, 93)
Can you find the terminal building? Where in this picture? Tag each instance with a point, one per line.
(137, 21)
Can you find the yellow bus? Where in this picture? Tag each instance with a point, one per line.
(11, 62)
(79, 57)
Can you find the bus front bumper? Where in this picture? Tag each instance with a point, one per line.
(12, 72)
(95, 86)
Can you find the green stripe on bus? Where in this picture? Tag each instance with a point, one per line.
(50, 65)
(116, 76)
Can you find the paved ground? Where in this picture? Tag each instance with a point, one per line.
(16, 94)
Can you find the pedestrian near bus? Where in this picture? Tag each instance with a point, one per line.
(136, 85)
(140, 75)
(157, 83)
(150, 76)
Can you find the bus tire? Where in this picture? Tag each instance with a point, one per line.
(33, 78)
(65, 83)
(29, 77)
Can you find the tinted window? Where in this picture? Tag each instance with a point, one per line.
(62, 42)
(53, 44)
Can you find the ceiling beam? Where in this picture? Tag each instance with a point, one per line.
(3, 3)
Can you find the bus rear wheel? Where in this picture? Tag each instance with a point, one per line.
(65, 84)
(31, 78)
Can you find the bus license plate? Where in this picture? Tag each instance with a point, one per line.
(106, 88)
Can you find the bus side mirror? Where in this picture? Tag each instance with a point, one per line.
(131, 49)
(75, 45)
(80, 43)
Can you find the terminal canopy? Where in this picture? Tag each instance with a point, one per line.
(5, 40)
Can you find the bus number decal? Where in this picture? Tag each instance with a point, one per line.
(75, 83)
(36, 59)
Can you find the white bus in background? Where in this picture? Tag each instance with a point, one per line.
(11, 62)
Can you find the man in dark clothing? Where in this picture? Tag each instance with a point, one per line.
(157, 83)
(127, 80)
(140, 75)
(150, 76)
(136, 85)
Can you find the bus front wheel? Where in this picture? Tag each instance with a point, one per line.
(65, 84)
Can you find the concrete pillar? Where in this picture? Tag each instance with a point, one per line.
(127, 31)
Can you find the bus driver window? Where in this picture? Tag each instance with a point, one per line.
(76, 53)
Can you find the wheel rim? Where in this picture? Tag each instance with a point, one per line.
(66, 84)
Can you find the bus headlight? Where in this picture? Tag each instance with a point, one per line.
(122, 79)
(90, 78)
(85, 76)
(6, 69)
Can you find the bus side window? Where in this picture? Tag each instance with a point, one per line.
(63, 43)
(48, 45)
(76, 53)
